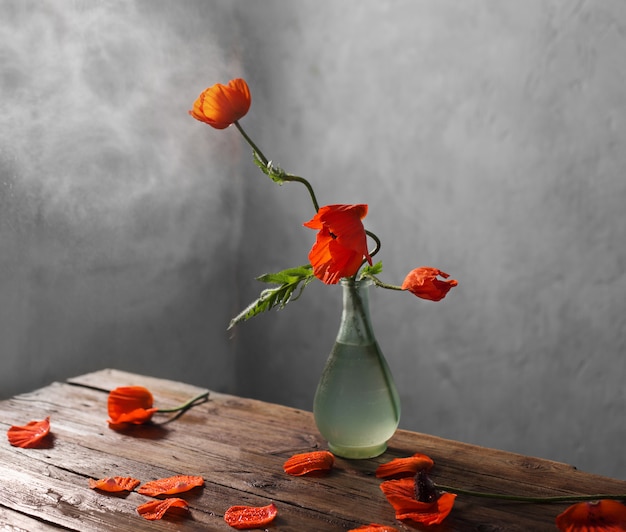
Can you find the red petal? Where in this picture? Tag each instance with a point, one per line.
(341, 242)
(114, 484)
(153, 510)
(244, 517)
(423, 283)
(301, 464)
(170, 485)
(221, 105)
(399, 467)
(598, 516)
(401, 495)
(29, 435)
(130, 404)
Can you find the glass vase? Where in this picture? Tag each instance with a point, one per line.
(356, 405)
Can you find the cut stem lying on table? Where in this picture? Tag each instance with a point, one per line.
(185, 406)
(522, 498)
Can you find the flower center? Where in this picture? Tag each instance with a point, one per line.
(424, 487)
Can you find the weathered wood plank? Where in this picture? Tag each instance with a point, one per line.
(11, 521)
(249, 471)
(88, 449)
(61, 497)
(238, 446)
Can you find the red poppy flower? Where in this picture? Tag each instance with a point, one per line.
(29, 435)
(374, 527)
(114, 484)
(429, 510)
(423, 283)
(221, 105)
(304, 463)
(245, 517)
(170, 485)
(402, 467)
(156, 509)
(341, 242)
(598, 516)
(130, 405)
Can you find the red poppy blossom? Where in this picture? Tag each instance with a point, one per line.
(341, 242)
(170, 485)
(130, 405)
(304, 463)
(597, 516)
(401, 495)
(374, 527)
(423, 283)
(114, 484)
(153, 510)
(245, 517)
(222, 105)
(402, 467)
(29, 435)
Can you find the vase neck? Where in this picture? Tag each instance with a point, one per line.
(356, 326)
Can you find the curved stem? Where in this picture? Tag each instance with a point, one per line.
(520, 498)
(375, 238)
(381, 284)
(372, 253)
(298, 179)
(252, 144)
(266, 162)
(185, 406)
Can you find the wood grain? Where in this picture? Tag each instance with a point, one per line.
(239, 445)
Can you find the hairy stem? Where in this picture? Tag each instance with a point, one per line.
(266, 162)
(298, 179)
(381, 284)
(252, 144)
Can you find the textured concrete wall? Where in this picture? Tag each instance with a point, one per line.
(487, 138)
(118, 218)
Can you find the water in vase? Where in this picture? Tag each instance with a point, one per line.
(356, 405)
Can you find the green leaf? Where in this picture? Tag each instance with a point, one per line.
(375, 269)
(289, 281)
(275, 173)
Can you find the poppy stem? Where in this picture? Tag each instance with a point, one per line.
(298, 179)
(185, 406)
(375, 239)
(379, 283)
(520, 498)
(264, 159)
(283, 176)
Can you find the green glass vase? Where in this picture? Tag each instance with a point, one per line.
(356, 405)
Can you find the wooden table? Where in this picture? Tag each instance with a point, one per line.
(239, 445)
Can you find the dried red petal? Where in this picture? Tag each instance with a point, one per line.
(401, 495)
(156, 509)
(597, 516)
(400, 467)
(303, 463)
(246, 517)
(29, 435)
(374, 527)
(170, 485)
(129, 405)
(114, 484)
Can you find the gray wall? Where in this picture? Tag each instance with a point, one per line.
(486, 136)
(119, 217)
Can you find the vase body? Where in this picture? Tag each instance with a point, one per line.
(356, 405)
